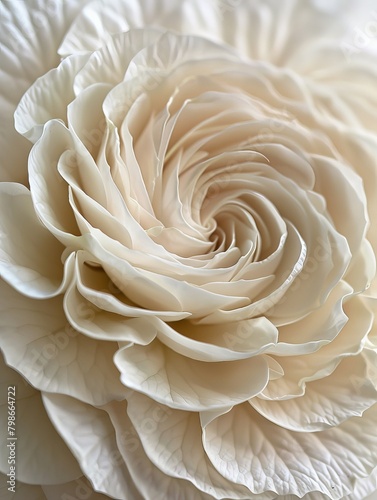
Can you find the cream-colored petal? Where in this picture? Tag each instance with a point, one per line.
(86, 120)
(23, 491)
(261, 29)
(248, 449)
(316, 329)
(288, 270)
(100, 324)
(299, 299)
(96, 286)
(362, 270)
(91, 437)
(365, 488)
(360, 149)
(35, 440)
(30, 258)
(152, 482)
(30, 34)
(48, 98)
(172, 441)
(222, 342)
(150, 289)
(339, 185)
(349, 341)
(109, 64)
(49, 192)
(93, 28)
(38, 341)
(188, 384)
(79, 489)
(327, 402)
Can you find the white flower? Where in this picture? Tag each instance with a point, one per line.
(189, 270)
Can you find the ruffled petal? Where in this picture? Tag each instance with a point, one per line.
(38, 341)
(100, 324)
(49, 192)
(48, 98)
(94, 26)
(258, 29)
(97, 288)
(346, 393)
(110, 63)
(350, 339)
(318, 328)
(152, 483)
(365, 488)
(172, 441)
(360, 150)
(184, 383)
(224, 342)
(91, 437)
(29, 37)
(35, 439)
(30, 258)
(248, 449)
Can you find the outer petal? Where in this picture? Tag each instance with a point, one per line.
(327, 402)
(38, 341)
(365, 488)
(98, 21)
(299, 370)
(48, 98)
(37, 440)
(248, 449)
(80, 489)
(29, 37)
(188, 384)
(318, 328)
(74, 490)
(109, 64)
(152, 483)
(360, 151)
(258, 28)
(30, 257)
(172, 441)
(51, 94)
(266, 30)
(91, 437)
(23, 491)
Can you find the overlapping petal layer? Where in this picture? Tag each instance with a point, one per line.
(207, 211)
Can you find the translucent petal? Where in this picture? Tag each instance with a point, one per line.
(47, 98)
(30, 258)
(172, 441)
(350, 340)
(30, 34)
(247, 448)
(38, 341)
(152, 483)
(99, 21)
(347, 392)
(188, 384)
(35, 439)
(91, 437)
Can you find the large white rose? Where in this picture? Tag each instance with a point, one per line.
(189, 270)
